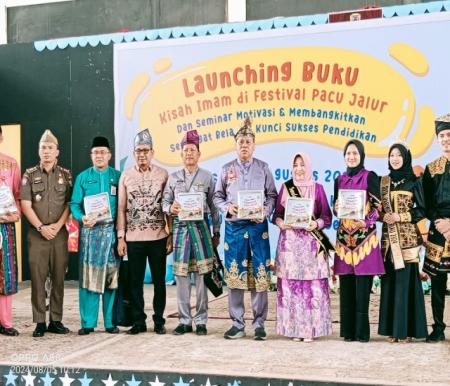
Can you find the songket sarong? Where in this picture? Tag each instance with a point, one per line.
(98, 262)
(247, 255)
(8, 260)
(192, 247)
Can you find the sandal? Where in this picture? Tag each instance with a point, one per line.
(405, 341)
(391, 339)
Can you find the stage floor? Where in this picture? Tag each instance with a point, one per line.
(116, 360)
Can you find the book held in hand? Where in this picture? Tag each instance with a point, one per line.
(7, 202)
(250, 204)
(191, 206)
(97, 207)
(352, 203)
(298, 212)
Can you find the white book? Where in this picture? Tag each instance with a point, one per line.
(298, 212)
(97, 207)
(7, 202)
(352, 203)
(191, 206)
(250, 204)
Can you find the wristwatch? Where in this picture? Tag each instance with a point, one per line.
(39, 228)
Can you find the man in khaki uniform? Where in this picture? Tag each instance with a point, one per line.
(45, 194)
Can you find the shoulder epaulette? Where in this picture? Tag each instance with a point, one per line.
(31, 170)
(437, 166)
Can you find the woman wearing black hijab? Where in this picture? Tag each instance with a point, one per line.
(358, 255)
(402, 306)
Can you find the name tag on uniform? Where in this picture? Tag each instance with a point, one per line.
(113, 190)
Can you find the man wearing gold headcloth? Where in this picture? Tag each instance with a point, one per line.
(45, 194)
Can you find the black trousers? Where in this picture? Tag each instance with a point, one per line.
(438, 289)
(138, 252)
(354, 298)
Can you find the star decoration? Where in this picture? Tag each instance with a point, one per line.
(109, 381)
(208, 383)
(133, 381)
(29, 379)
(66, 380)
(10, 378)
(47, 379)
(235, 383)
(180, 383)
(85, 381)
(157, 382)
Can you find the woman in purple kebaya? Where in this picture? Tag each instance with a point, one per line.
(303, 302)
(358, 256)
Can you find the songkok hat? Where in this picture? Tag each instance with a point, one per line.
(100, 142)
(192, 138)
(442, 123)
(246, 129)
(48, 137)
(143, 138)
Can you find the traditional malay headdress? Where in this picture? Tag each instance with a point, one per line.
(143, 138)
(442, 123)
(362, 155)
(100, 142)
(246, 129)
(307, 185)
(406, 171)
(191, 138)
(48, 137)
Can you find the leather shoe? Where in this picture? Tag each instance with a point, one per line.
(182, 329)
(40, 330)
(8, 331)
(136, 329)
(85, 331)
(57, 328)
(160, 329)
(201, 329)
(435, 337)
(112, 330)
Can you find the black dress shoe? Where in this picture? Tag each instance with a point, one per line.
(8, 331)
(85, 331)
(182, 329)
(348, 339)
(435, 337)
(40, 330)
(112, 330)
(136, 329)
(201, 329)
(363, 340)
(57, 328)
(160, 329)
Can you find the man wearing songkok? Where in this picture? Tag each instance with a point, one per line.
(193, 247)
(45, 195)
(247, 250)
(10, 214)
(141, 231)
(436, 186)
(98, 261)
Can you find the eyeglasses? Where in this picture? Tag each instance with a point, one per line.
(142, 151)
(102, 152)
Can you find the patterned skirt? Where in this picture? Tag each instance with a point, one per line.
(303, 308)
(192, 247)
(99, 265)
(8, 260)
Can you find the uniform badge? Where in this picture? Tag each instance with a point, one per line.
(38, 197)
(24, 181)
(113, 190)
(60, 180)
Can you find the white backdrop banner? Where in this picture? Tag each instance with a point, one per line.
(307, 89)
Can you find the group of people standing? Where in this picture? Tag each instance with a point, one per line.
(144, 226)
